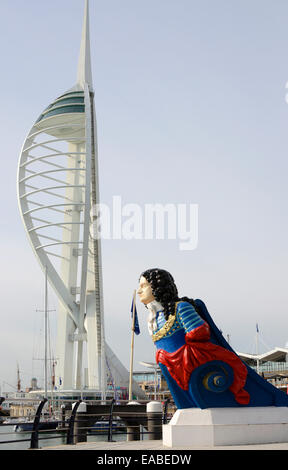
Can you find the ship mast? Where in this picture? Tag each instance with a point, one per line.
(18, 379)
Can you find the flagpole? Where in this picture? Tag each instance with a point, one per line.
(257, 349)
(132, 347)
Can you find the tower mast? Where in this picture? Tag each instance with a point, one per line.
(84, 74)
(91, 310)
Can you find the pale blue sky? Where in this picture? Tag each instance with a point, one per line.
(190, 103)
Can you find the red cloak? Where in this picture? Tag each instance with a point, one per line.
(197, 351)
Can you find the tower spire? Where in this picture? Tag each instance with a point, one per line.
(84, 65)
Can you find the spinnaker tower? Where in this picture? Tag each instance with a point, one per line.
(58, 185)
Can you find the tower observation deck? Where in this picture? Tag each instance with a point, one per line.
(58, 185)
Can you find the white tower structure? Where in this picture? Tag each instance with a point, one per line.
(57, 188)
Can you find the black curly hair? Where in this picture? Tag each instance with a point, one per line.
(164, 289)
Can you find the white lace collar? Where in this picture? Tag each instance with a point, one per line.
(153, 308)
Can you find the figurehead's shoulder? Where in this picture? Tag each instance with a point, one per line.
(183, 304)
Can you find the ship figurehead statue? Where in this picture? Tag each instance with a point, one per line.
(200, 367)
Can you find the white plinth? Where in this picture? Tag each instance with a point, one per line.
(227, 426)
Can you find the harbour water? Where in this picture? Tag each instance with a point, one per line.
(46, 439)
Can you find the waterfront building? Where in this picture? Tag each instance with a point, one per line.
(272, 365)
(153, 384)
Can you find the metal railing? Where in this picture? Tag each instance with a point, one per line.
(270, 366)
(76, 430)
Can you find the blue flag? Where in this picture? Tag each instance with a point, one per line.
(136, 323)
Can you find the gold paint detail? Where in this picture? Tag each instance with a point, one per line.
(166, 327)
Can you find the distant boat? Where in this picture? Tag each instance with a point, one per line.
(103, 426)
(43, 425)
(15, 420)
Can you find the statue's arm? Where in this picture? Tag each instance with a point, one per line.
(188, 317)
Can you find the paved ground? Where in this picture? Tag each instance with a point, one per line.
(157, 445)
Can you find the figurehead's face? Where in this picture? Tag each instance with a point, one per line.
(145, 291)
